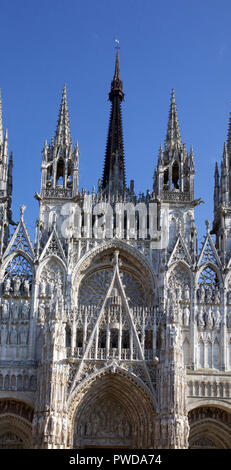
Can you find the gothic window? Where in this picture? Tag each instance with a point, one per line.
(148, 342)
(49, 176)
(79, 338)
(166, 179)
(125, 339)
(51, 280)
(68, 336)
(60, 172)
(94, 287)
(18, 275)
(179, 280)
(175, 175)
(114, 338)
(102, 339)
(208, 286)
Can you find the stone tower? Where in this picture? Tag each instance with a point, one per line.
(115, 330)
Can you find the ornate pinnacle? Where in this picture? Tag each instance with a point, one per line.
(229, 136)
(116, 84)
(1, 123)
(173, 138)
(63, 127)
(225, 156)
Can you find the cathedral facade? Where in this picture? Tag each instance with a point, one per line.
(115, 328)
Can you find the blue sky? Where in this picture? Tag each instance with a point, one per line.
(163, 44)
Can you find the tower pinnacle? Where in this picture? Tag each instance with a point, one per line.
(1, 123)
(229, 136)
(173, 138)
(63, 126)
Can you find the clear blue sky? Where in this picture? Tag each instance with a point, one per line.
(163, 44)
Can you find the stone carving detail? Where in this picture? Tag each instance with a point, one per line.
(105, 420)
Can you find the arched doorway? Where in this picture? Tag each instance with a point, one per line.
(113, 413)
(210, 428)
(15, 425)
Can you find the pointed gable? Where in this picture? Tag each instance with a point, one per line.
(208, 251)
(115, 295)
(20, 239)
(53, 247)
(180, 252)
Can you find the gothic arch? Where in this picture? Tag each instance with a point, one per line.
(213, 267)
(15, 254)
(112, 411)
(15, 424)
(181, 264)
(210, 427)
(56, 259)
(134, 262)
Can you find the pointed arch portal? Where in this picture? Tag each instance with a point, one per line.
(114, 413)
(210, 428)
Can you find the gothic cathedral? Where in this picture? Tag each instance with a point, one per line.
(115, 329)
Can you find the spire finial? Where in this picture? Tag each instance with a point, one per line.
(1, 123)
(63, 126)
(173, 132)
(229, 136)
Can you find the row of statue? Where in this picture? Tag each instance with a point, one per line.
(208, 295)
(16, 286)
(14, 310)
(205, 294)
(209, 319)
(50, 288)
(15, 335)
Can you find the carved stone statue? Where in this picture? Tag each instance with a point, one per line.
(13, 336)
(23, 334)
(5, 310)
(201, 322)
(17, 285)
(41, 312)
(42, 288)
(209, 319)
(217, 296)
(186, 316)
(25, 311)
(187, 292)
(209, 294)
(201, 294)
(217, 318)
(7, 286)
(26, 287)
(15, 311)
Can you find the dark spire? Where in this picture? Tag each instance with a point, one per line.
(114, 171)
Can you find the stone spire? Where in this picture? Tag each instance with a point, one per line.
(173, 138)
(1, 123)
(114, 168)
(63, 126)
(60, 170)
(229, 137)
